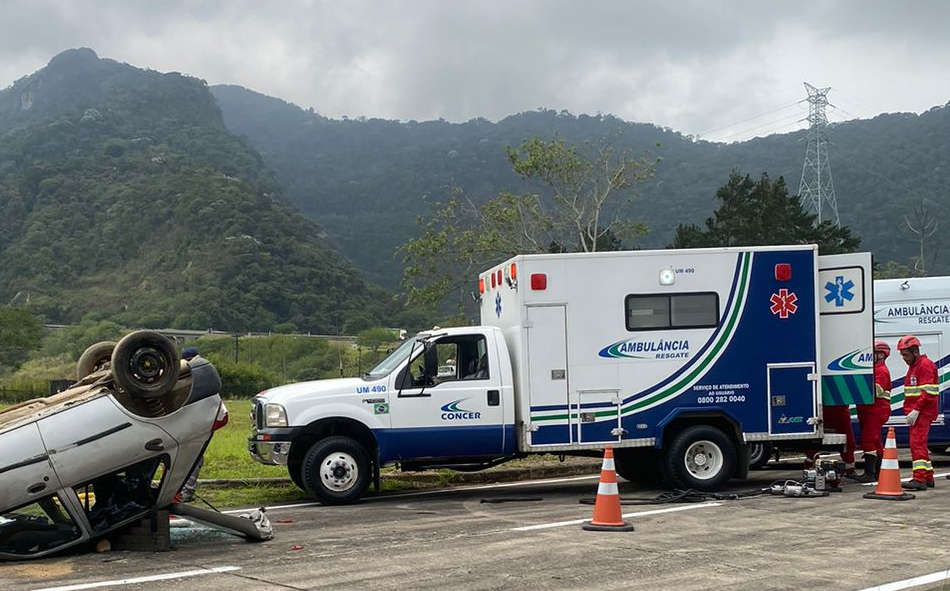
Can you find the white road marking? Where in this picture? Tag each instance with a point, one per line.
(165, 577)
(936, 476)
(915, 582)
(438, 491)
(485, 487)
(625, 516)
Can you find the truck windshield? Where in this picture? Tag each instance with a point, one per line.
(394, 359)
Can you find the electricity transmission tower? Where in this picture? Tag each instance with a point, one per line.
(817, 191)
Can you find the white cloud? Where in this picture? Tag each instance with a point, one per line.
(727, 70)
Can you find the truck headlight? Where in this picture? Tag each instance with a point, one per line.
(275, 415)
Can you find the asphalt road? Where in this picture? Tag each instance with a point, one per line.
(526, 535)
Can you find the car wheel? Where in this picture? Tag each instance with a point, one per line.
(336, 470)
(760, 453)
(145, 365)
(700, 457)
(638, 465)
(94, 359)
(937, 449)
(295, 469)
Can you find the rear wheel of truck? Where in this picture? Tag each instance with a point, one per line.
(760, 453)
(336, 470)
(700, 457)
(638, 465)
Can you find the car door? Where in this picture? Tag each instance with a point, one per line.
(97, 437)
(456, 414)
(26, 472)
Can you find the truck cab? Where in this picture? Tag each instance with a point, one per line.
(414, 408)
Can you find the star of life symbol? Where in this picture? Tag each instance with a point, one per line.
(783, 303)
(839, 291)
(498, 305)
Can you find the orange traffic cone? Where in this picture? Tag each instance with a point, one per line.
(607, 514)
(889, 476)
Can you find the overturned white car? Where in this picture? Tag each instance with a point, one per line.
(110, 450)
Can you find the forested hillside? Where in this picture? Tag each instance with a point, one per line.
(366, 180)
(124, 196)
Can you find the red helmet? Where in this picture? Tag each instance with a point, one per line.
(882, 347)
(908, 342)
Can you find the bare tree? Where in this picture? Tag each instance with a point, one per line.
(923, 227)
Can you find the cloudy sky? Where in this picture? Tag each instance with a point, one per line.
(723, 71)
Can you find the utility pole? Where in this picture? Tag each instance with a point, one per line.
(237, 347)
(817, 190)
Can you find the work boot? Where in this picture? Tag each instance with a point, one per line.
(914, 485)
(931, 484)
(870, 469)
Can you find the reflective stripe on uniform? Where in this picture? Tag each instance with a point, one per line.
(912, 391)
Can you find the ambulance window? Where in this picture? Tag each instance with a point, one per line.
(679, 310)
(694, 310)
(648, 312)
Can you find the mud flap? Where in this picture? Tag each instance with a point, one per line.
(742, 461)
(252, 525)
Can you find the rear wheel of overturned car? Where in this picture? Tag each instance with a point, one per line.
(336, 470)
(94, 359)
(145, 364)
(700, 457)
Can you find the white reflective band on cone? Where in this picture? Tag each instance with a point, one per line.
(608, 464)
(892, 444)
(608, 488)
(889, 465)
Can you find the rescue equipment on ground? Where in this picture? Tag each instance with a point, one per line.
(819, 480)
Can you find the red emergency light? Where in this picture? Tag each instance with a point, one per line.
(539, 281)
(493, 281)
(481, 286)
(783, 272)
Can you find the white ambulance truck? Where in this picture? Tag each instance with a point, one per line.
(679, 359)
(918, 306)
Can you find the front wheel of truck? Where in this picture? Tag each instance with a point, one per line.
(336, 470)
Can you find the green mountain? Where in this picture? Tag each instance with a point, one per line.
(123, 195)
(366, 180)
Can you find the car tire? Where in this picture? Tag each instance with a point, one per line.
(700, 457)
(638, 465)
(937, 449)
(336, 470)
(760, 452)
(295, 470)
(94, 359)
(145, 365)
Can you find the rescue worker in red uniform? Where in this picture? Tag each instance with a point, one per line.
(872, 416)
(921, 395)
(838, 419)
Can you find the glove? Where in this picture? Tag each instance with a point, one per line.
(912, 417)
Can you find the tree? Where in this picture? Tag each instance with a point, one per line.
(20, 333)
(924, 228)
(754, 213)
(581, 208)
